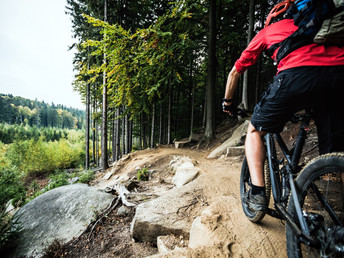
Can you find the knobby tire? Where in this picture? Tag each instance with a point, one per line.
(245, 184)
(324, 174)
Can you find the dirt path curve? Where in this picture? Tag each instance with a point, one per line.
(219, 179)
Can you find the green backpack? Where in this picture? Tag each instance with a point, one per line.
(332, 30)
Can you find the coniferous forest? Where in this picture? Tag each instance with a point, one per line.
(22, 119)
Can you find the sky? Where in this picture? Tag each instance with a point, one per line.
(34, 59)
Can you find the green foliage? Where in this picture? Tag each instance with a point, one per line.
(40, 157)
(86, 177)
(9, 230)
(156, 52)
(10, 133)
(21, 111)
(143, 174)
(11, 188)
(58, 179)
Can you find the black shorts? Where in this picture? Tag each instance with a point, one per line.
(292, 90)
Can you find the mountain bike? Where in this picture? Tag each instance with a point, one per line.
(309, 199)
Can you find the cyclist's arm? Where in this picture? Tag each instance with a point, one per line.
(232, 82)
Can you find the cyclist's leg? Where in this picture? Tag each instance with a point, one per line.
(270, 115)
(255, 155)
(327, 99)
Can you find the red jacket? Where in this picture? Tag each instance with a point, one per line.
(310, 55)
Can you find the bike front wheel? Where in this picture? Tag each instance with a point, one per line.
(245, 184)
(320, 192)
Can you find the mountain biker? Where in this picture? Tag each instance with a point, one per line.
(312, 75)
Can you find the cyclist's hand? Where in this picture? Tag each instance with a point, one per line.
(230, 109)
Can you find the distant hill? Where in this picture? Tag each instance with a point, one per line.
(18, 110)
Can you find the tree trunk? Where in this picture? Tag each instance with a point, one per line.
(192, 110)
(118, 136)
(94, 134)
(104, 157)
(144, 130)
(97, 143)
(191, 97)
(114, 137)
(87, 149)
(204, 110)
(124, 135)
(176, 114)
(127, 136)
(153, 126)
(249, 38)
(210, 123)
(160, 123)
(169, 114)
(141, 131)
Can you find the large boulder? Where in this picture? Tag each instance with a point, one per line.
(233, 141)
(165, 215)
(62, 213)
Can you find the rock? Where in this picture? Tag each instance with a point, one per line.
(73, 180)
(122, 211)
(180, 144)
(185, 171)
(195, 137)
(169, 243)
(203, 252)
(235, 151)
(62, 213)
(125, 157)
(233, 141)
(108, 175)
(10, 209)
(163, 216)
(184, 176)
(178, 161)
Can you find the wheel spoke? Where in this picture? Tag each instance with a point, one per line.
(321, 196)
(326, 205)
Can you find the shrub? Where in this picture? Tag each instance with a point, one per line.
(42, 157)
(57, 180)
(86, 177)
(11, 187)
(143, 174)
(9, 231)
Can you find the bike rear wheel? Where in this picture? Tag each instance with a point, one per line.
(320, 187)
(245, 184)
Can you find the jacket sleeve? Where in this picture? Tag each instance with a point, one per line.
(251, 54)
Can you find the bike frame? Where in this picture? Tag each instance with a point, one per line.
(282, 179)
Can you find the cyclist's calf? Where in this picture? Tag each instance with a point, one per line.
(255, 154)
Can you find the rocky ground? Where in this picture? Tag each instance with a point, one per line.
(219, 227)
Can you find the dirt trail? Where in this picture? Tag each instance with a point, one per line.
(226, 231)
(219, 179)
